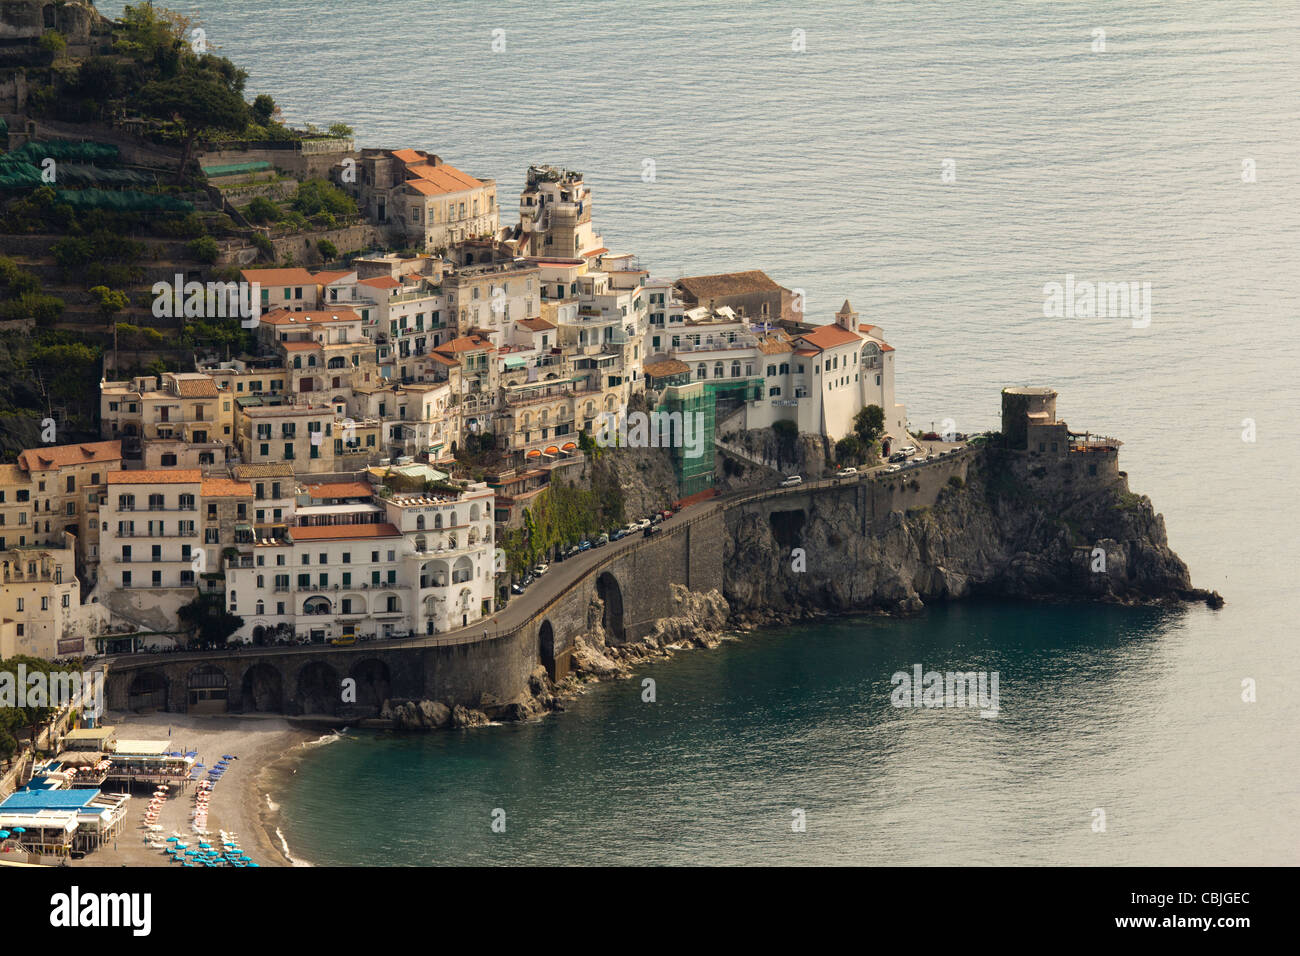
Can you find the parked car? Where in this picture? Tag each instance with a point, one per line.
(541, 569)
(907, 449)
(516, 588)
(919, 459)
(893, 468)
(652, 529)
(846, 472)
(791, 481)
(643, 524)
(528, 579)
(666, 513)
(897, 457)
(656, 518)
(602, 541)
(618, 535)
(584, 545)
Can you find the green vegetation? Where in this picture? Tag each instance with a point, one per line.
(849, 450)
(328, 250)
(869, 424)
(204, 249)
(15, 721)
(955, 482)
(561, 515)
(208, 621)
(317, 198)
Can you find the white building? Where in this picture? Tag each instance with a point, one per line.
(407, 564)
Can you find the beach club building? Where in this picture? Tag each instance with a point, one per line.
(57, 822)
(363, 565)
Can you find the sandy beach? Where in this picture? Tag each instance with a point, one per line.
(237, 801)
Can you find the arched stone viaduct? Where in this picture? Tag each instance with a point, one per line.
(490, 669)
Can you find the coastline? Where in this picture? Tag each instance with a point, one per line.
(259, 743)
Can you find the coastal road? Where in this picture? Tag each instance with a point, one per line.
(561, 576)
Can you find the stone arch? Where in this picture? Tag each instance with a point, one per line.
(207, 690)
(611, 594)
(262, 690)
(374, 684)
(147, 691)
(317, 604)
(546, 647)
(319, 690)
(475, 512)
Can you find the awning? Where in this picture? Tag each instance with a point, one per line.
(534, 454)
(515, 361)
(552, 450)
(568, 446)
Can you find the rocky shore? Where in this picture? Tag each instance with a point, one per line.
(1007, 530)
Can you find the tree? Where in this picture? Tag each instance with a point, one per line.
(202, 102)
(110, 302)
(264, 109)
(340, 130)
(316, 196)
(869, 424)
(848, 450)
(328, 250)
(262, 209)
(206, 617)
(204, 249)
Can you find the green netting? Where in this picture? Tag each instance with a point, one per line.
(234, 169)
(59, 150)
(125, 201)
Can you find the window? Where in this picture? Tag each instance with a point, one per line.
(45, 604)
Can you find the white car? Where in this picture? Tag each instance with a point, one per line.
(893, 468)
(845, 472)
(792, 481)
(917, 460)
(541, 569)
(642, 524)
(907, 449)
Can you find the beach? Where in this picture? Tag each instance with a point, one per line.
(238, 801)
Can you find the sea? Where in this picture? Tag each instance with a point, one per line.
(940, 165)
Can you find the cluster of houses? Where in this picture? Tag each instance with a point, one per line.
(311, 489)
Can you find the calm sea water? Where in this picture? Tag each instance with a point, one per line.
(824, 168)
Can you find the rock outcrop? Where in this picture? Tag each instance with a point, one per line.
(1006, 531)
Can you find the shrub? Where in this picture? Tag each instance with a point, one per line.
(327, 249)
(263, 210)
(956, 483)
(263, 245)
(204, 249)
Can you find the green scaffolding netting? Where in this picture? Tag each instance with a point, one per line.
(125, 201)
(234, 169)
(60, 151)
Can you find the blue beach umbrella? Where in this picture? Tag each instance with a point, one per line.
(4, 834)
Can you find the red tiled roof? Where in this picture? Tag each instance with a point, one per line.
(340, 489)
(380, 282)
(60, 456)
(829, 336)
(178, 476)
(285, 317)
(225, 488)
(342, 532)
(277, 277)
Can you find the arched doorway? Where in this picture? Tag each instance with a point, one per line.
(373, 685)
(546, 648)
(319, 689)
(611, 594)
(262, 690)
(207, 690)
(148, 691)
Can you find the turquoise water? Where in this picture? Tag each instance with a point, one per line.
(824, 168)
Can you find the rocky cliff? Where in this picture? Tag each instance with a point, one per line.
(1007, 530)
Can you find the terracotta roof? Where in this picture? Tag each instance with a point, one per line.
(868, 328)
(278, 276)
(298, 346)
(176, 476)
(728, 283)
(774, 347)
(886, 348)
(805, 352)
(444, 178)
(285, 317)
(325, 278)
(278, 469)
(61, 456)
(829, 336)
(339, 532)
(665, 368)
(380, 282)
(536, 325)
(409, 155)
(466, 343)
(196, 388)
(444, 359)
(225, 488)
(340, 489)
(595, 252)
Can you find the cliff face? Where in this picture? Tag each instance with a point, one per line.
(1008, 530)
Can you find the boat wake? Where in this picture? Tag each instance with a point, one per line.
(331, 737)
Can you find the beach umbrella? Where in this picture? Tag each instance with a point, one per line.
(4, 834)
